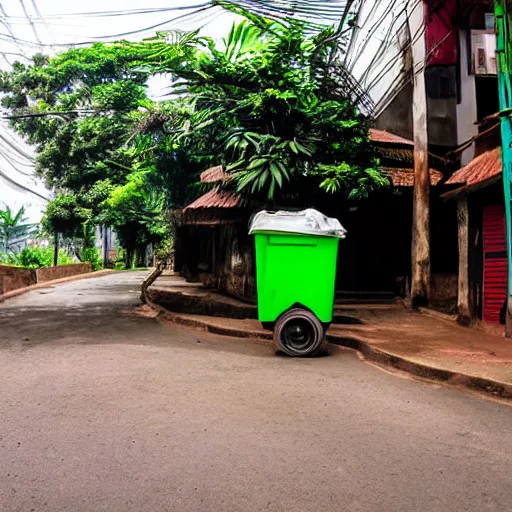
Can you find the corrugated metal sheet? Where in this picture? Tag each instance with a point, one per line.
(388, 138)
(215, 198)
(405, 177)
(495, 263)
(480, 169)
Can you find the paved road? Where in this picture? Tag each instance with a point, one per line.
(102, 410)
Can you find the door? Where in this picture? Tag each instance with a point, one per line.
(495, 263)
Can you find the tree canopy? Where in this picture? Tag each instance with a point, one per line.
(269, 102)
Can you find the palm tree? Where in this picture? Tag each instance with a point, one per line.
(12, 226)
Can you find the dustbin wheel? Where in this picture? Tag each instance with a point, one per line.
(298, 333)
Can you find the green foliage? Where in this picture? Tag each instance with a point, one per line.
(270, 103)
(85, 103)
(119, 265)
(8, 258)
(165, 249)
(137, 211)
(12, 225)
(92, 255)
(39, 257)
(66, 214)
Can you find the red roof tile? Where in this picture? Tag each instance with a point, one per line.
(213, 175)
(405, 177)
(215, 199)
(480, 169)
(388, 138)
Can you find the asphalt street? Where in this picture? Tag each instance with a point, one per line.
(103, 408)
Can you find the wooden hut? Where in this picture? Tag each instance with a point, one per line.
(213, 245)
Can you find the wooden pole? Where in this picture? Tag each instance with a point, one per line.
(420, 281)
(464, 316)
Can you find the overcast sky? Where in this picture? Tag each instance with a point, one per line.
(64, 22)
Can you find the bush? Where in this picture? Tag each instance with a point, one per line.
(39, 257)
(119, 265)
(92, 255)
(8, 258)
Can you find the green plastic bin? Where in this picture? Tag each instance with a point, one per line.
(294, 269)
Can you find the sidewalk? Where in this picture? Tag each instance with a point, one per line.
(417, 343)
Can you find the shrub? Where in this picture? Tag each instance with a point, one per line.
(39, 257)
(92, 255)
(8, 258)
(119, 265)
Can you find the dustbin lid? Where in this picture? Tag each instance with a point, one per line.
(305, 222)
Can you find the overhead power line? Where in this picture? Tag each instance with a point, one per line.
(127, 12)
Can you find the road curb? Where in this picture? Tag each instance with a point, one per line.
(21, 291)
(437, 314)
(363, 346)
(399, 362)
(176, 318)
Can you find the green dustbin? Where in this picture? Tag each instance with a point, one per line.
(296, 255)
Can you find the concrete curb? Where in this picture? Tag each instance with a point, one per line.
(437, 314)
(21, 291)
(363, 346)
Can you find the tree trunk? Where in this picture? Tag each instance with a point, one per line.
(464, 316)
(56, 249)
(420, 282)
(128, 259)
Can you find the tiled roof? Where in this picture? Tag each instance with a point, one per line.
(215, 198)
(213, 175)
(405, 177)
(388, 138)
(480, 169)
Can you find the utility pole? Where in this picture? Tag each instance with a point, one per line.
(420, 281)
(503, 13)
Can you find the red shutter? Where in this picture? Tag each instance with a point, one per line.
(495, 263)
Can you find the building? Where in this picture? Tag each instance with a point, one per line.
(483, 269)
(213, 245)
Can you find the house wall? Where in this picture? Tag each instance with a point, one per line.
(219, 256)
(466, 109)
(442, 111)
(236, 270)
(397, 117)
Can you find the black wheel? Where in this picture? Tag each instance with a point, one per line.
(299, 333)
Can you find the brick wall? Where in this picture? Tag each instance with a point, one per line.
(51, 273)
(12, 278)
